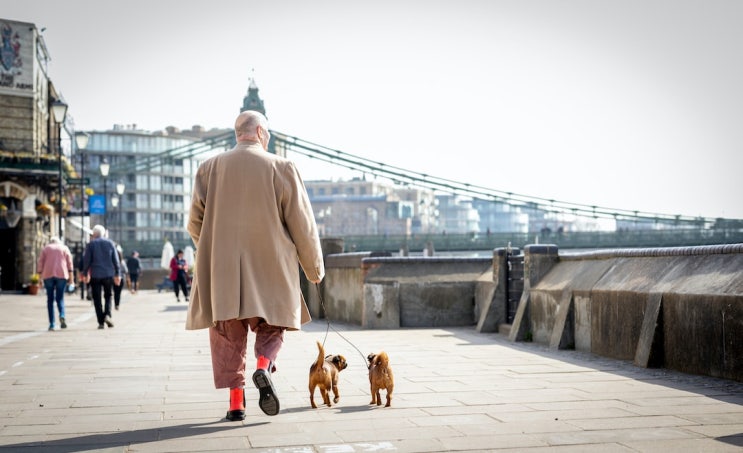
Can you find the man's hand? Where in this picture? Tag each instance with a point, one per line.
(117, 280)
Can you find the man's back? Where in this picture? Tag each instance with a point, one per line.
(101, 258)
(250, 220)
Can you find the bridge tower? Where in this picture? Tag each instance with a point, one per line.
(253, 101)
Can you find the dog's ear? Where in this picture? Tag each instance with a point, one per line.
(370, 357)
(342, 363)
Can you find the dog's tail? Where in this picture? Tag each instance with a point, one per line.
(381, 360)
(320, 357)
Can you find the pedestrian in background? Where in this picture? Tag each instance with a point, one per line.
(101, 268)
(134, 264)
(123, 273)
(179, 275)
(252, 223)
(56, 270)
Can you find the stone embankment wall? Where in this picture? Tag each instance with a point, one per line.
(678, 308)
(383, 292)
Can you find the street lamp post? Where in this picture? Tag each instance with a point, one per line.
(105, 167)
(114, 204)
(120, 188)
(81, 140)
(59, 110)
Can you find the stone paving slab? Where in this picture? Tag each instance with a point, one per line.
(146, 386)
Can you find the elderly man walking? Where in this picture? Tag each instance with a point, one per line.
(251, 222)
(101, 268)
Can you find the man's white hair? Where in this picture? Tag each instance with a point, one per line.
(99, 231)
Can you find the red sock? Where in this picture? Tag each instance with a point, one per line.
(237, 399)
(263, 363)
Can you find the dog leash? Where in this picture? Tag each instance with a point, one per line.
(322, 303)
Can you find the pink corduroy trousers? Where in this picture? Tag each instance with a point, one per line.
(229, 345)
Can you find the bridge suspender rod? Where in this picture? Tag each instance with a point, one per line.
(352, 162)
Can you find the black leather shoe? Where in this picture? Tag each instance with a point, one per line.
(268, 401)
(108, 321)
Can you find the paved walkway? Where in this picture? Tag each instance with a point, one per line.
(145, 386)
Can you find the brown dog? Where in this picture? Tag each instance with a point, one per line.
(380, 377)
(324, 374)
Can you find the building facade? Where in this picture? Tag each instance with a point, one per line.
(34, 154)
(147, 193)
(360, 207)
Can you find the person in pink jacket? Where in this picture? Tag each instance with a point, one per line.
(55, 268)
(179, 275)
(252, 223)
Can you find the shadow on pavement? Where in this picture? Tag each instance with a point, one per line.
(736, 439)
(124, 439)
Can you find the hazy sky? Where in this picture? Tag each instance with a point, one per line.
(624, 104)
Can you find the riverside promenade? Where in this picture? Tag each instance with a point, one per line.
(146, 386)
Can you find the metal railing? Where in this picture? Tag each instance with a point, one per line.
(478, 242)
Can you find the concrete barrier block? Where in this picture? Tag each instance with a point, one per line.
(437, 304)
(381, 306)
(651, 335)
(563, 336)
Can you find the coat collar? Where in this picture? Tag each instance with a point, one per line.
(250, 146)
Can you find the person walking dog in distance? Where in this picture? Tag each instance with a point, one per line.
(56, 270)
(101, 268)
(251, 221)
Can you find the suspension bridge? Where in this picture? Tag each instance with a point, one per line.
(678, 229)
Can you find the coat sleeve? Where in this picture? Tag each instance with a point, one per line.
(300, 222)
(115, 261)
(70, 267)
(198, 201)
(86, 258)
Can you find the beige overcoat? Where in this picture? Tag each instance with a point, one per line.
(253, 226)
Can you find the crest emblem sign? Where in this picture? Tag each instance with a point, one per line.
(10, 50)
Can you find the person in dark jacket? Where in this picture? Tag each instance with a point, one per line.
(102, 269)
(134, 265)
(123, 272)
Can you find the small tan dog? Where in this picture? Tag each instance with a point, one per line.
(380, 377)
(324, 374)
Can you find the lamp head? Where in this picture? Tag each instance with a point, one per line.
(105, 167)
(81, 139)
(59, 110)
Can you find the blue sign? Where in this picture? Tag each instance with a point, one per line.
(97, 204)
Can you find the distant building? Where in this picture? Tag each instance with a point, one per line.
(497, 217)
(360, 207)
(457, 214)
(156, 177)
